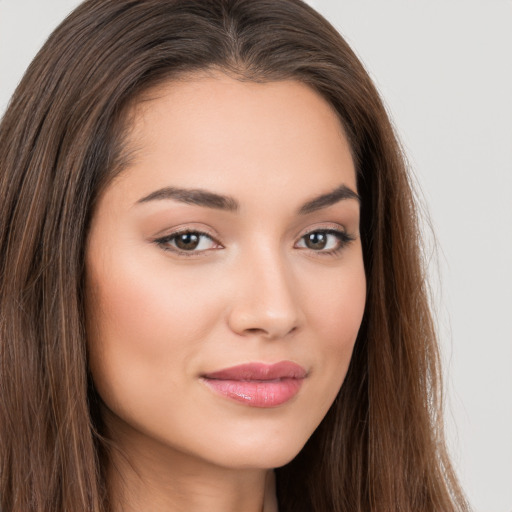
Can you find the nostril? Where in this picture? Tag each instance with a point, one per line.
(271, 332)
(254, 330)
(267, 308)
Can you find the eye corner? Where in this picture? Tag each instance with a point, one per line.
(320, 246)
(192, 246)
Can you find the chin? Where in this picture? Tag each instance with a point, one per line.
(263, 453)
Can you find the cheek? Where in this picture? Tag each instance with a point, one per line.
(143, 322)
(336, 302)
(335, 311)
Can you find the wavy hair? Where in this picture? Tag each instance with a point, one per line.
(380, 447)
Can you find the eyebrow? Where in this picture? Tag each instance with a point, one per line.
(208, 199)
(193, 196)
(340, 193)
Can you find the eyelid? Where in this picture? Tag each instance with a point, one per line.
(344, 238)
(185, 227)
(337, 230)
(325, 226)
(163, 241)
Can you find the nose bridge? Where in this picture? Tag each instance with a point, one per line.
(266, 302)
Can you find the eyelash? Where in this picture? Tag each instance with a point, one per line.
(343, 240)
(165, 241)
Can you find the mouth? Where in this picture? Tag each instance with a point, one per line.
(258, 384)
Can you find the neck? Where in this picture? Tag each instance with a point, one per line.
(145, 477)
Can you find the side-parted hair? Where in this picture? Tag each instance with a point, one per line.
(380, 447)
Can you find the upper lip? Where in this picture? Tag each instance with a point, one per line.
(259, 372)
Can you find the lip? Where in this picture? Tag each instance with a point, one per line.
(258, 384)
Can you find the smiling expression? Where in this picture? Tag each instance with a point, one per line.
(224, 272)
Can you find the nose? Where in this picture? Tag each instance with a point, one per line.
(266, 302)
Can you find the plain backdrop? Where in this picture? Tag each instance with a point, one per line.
(444, 69)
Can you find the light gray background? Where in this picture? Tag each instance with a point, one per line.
(444, 68)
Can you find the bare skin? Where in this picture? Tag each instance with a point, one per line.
(181, 286)
(149, 482)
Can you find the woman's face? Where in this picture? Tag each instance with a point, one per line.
(225, 279)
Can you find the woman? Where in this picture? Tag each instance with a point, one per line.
(209, 269)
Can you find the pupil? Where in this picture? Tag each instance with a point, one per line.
(316, 240)
(187, 241)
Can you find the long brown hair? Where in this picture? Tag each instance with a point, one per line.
(380, 447)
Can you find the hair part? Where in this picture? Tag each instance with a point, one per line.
(381, 446)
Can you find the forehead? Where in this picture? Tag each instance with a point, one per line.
(216, 131)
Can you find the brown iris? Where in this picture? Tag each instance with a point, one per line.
(187, 241)
(316, 241)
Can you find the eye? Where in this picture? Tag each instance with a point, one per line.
(187, 242)
(327, 241)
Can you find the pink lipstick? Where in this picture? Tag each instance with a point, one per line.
(258, 384)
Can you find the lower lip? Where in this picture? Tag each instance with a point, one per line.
(257, 393)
